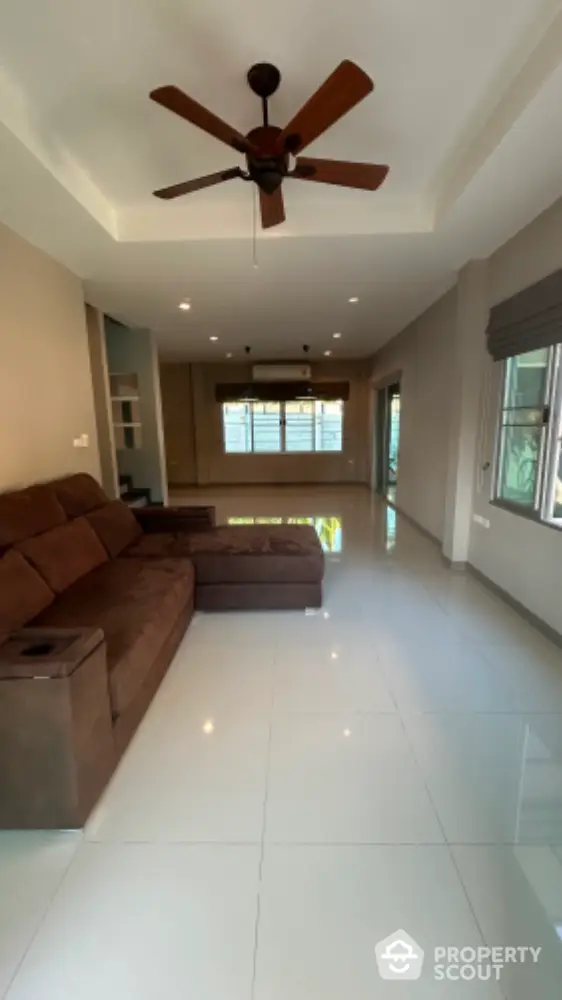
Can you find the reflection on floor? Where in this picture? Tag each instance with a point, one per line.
(306, 785)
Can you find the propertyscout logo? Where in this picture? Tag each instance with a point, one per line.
(400, 957)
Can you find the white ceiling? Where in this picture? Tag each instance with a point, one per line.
(465, 112)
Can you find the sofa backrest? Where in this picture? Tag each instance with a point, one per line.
(29, 512)
(37, 515)
(79, 494)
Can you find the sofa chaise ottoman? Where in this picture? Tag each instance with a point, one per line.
(257, 567)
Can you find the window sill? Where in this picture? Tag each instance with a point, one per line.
(527, 515)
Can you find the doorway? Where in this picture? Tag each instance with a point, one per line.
(388, 440)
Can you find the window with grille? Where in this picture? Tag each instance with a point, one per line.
(308, 425)
(529, 459)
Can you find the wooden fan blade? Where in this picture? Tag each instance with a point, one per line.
(196, 185)
(175, 100)
(272, 208)
(347, 85)
(368, 176)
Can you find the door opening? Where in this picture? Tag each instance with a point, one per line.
(388, 440)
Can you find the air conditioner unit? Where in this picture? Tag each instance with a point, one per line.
(281, 373)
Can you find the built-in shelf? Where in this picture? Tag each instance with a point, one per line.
(125, 410)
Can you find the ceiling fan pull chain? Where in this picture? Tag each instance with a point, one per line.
(255, 224)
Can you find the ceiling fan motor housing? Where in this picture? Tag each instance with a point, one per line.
(268, 167)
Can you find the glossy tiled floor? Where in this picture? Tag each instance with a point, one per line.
(304, 786)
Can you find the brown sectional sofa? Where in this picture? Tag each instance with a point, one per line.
(94, 600)
(64, 565)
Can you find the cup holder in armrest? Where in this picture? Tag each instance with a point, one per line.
(38, 649)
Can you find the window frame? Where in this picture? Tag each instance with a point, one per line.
(542, 509)
(283, 429)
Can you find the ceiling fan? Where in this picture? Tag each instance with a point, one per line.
(268, 149)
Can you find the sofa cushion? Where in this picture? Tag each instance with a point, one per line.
(160, 545)
(136, 604)
(23, 593)
(257, 553)
(115, 525)
(79, 494)
(28, 512)
(65, 554)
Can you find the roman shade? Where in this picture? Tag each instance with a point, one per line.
(530, 320)
(279, 392)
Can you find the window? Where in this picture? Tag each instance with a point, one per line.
(306, 425)
(529, 461)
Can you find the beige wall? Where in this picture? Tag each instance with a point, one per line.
(423, 353)
(193, 430)
(46, 397)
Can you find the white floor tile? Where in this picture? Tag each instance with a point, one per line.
(531, 674)
(32, 866)
(516, 893)
(195, 780)
(323, 910)
(332, 678)
(432, 675)
(211, 679)
(143, 922)
(492, 778)
(346, 779)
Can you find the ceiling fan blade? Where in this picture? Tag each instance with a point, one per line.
(198, 183)
(347, 85)
(175, 100)
(272, 208)
(368, 176)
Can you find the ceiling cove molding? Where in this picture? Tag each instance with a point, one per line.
(17, 116)
(521, 78)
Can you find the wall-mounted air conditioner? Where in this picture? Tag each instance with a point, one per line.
(281, 373)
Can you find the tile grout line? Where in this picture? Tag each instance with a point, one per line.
(43, 917)
(264, 818)
(446, 842)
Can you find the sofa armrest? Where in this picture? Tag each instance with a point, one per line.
(177, 519)
(49, 653)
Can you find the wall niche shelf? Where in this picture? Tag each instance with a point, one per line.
(125, 410)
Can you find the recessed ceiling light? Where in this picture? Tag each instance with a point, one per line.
(213, 338)
(185, 306)
(327, 354)
(336, 336)
(208, 727)
(353, 299)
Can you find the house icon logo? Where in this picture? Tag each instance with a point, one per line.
(399, 957)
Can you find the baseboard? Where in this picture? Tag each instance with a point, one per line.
(412, 521)
(457, 566)
(466, 567)
(529, 616)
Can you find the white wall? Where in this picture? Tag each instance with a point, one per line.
(46, 397)
(423, 353)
